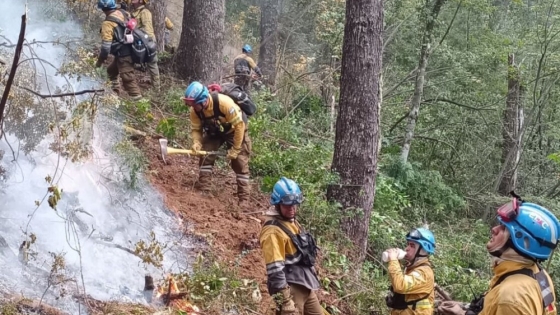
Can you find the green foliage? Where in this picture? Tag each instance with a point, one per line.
(166, 126)
(133, 162)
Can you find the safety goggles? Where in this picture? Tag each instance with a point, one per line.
(291, 199)
(509, 211)
(189, 101)
(415, 234)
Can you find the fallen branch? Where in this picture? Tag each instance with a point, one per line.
(60, 95)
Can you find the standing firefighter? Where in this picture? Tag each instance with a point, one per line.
(412, 291)
(243, 65)
(289, 253)
(111, 36)
(526, 235)
(215, 120)
(144, 18)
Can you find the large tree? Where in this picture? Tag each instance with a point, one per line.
(159, 11)
(357, 124)
(199, 54)
(269, 39)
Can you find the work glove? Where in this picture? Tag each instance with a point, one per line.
(288, 306)
(197, 146)
(451, 308)
(98, 63)
(233, 153)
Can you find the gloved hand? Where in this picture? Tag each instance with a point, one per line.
(288, 306)
(197, 146)
(451, 308)
(233, 153)
(98, 63)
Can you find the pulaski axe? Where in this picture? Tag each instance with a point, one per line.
(165, 150)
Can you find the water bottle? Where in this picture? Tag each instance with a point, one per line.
(385, 255)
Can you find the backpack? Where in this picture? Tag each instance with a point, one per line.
(142, 49)
(304, 242)
(236, 93)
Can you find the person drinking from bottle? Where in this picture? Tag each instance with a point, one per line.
(412, 291)
(216, 119)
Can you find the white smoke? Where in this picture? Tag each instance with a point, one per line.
(97, 210)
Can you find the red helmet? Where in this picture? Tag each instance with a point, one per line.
(215, 87)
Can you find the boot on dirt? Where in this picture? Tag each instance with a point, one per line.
(115, 86)
(204, 182)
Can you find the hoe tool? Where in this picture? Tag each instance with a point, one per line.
(165, 150)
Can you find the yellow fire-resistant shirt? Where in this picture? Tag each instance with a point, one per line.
(415, 282)
(518, 294)
(107, 30)
(282, 258)
(231, 113)
(144, 18)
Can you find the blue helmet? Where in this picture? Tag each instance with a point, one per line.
(534, 231)
(286, 192)
(197, 93)
(425, 238)
(107, 4)
(247, 49)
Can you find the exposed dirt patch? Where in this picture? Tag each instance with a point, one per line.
(233, 238)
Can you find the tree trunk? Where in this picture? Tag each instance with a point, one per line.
(420, 79)
(270, 10)
(357, 125)
(511, 130)
(159, 11)
(199, 54)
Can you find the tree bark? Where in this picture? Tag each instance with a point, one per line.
(427, 40)
(270, 10)
(159, 11)
(357, 125)
(199, 53)
(511, 130)
(13, 70)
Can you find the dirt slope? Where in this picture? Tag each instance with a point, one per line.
(233, 240)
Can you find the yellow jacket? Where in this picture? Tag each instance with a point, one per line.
(416, 281)
(144, 18)
(518, 294)
(107, 31)
(230, 113)
(243, 64)
(282, 258)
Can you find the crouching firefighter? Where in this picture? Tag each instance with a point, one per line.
(526, 235)
(289, 253)
(215, 120)
(412, 291)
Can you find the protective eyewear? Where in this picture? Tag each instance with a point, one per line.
(415, 234)
(509, 211)
(292, 199)
(189, 101)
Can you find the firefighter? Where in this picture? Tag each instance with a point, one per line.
(289, 253)
(122, 62)
(412, 291)
(144, 18)
(243, 65)
(526, 236)
(215, 120)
